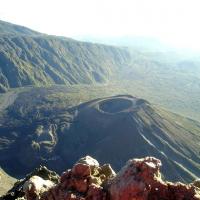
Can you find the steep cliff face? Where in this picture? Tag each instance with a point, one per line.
(139, 179)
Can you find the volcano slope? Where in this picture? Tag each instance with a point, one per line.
(6, 182)
(111, 129)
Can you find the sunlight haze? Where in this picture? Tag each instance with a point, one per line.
(173, 21)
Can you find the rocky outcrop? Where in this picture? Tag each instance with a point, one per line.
(86, 180)
(36, 186)
(139, 179)
(19, 188)
(197, 183)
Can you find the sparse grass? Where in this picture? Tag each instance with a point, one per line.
(6, 182)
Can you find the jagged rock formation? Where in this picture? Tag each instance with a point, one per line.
(41, 172)
(36, 186)
(139, 179)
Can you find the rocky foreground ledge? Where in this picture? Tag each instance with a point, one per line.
(139, 179)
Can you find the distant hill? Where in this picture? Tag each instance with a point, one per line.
(52, 127)
(31, 58)
(136, 42)
(45, 60)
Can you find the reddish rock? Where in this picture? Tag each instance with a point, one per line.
(139, 179)
(81, 170)
(71, 196)
(66, 175)
(80, 185)
(95, 192)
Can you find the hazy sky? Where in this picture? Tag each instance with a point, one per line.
(175, 21)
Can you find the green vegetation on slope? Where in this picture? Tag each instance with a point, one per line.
(7, 28)
(45, 60)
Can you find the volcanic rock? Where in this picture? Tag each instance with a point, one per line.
(139, 179)
(17, 190)
(36, 186)
(196, 183)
